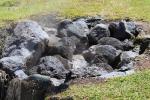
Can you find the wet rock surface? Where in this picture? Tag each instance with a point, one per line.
(40, 60)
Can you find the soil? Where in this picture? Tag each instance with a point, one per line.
(91, 80)
(145, 26)
(142, 62)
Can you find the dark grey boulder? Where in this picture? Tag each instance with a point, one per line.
(123, 30)
(90, 20)
(93, 21)
(98, 32)
(67, 64)
(128, 44)
(81, 68)
(68, 47)
(127, 60)
(62, 28)
(128, 55)
(78, 62)
(76, 28)
(102, 54)
(65, 46)
(61, 46)
(4, 81)
(120, 45)
(111, 41)
(25, 47)
(11, 64)
(133, 28)
(126, 65)
(45, 80)
(53, 66)
(33, 88)
(80, 44)
(145, 46)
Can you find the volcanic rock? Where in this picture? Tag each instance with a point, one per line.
(76, 28)
(123, 30)
(145, 46)
(111, 41)
(53, 66)
(62, 28)
(98, 32)
(63, 46)
(34, 88)
(127, 60)
(24, 47)
(101, 54)
(128, 44)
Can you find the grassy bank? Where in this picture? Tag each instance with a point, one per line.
(17, 9)
(134, 87)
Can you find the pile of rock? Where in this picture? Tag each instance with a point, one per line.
(84, 47)
(102, 47)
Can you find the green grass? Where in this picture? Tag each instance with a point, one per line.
(112, 9)
(25, 8)
(11, 10)
(134, 87)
